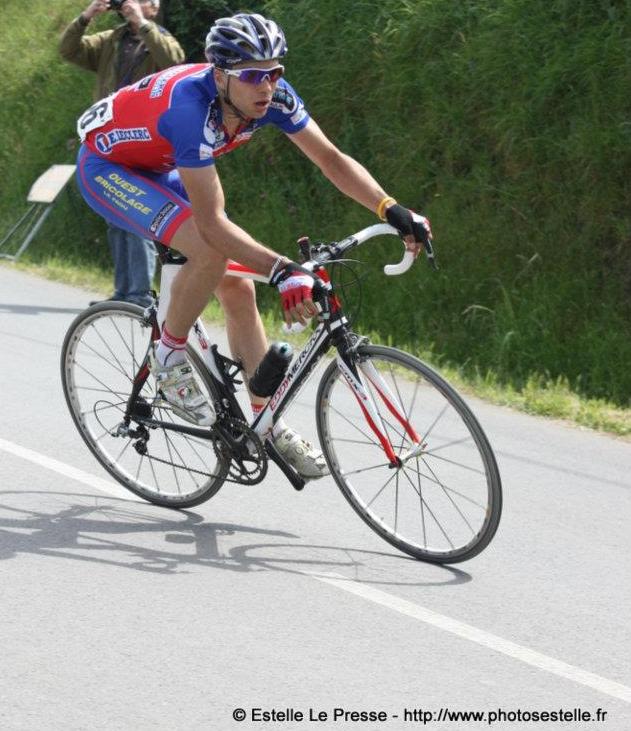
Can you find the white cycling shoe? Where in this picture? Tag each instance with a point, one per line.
(178, 387)
(308, 462)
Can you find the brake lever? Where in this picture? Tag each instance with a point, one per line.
(429, 255)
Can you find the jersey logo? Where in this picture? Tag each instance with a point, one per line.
(163, 215)
(213, 129)
(284, 100)
(162, 80)
(105, 141)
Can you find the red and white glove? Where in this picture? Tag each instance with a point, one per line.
(298, 287)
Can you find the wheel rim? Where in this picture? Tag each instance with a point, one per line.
(102, 357)
(442, 504)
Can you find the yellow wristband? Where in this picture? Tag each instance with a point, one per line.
(381, 208)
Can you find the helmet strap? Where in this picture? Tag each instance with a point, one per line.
(236, 110)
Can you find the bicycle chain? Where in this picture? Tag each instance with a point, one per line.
(248, 470)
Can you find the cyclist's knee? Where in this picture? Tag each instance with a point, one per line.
(237, 294)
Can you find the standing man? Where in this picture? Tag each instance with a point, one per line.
(120, 57)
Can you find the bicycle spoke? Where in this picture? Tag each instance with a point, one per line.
(451, 461)
(122, 452)
(175, 449)
(395, 474)
(353, 441)
(168, 443)
(98, 380)
(373, 441)
(153, 472)
(436, 420)
(366, 469)
(449, 497)
(102, 390)
(450, 444)
(121, 369)
(420, 496)
(429, 510)
(436, 481)
(122, 338)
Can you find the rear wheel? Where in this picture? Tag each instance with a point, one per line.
(443, 504)
(101, 355)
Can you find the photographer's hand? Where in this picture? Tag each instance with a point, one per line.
(96, 7)
(132, 12)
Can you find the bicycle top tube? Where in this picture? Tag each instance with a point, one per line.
(332, 251)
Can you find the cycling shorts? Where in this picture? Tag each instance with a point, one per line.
(152, 205)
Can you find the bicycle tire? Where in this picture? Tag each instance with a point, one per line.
(177, 470)
(426, 481)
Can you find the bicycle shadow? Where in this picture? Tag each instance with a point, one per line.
(126, 534)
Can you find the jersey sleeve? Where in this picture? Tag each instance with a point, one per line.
(183, 127)
(287, 110)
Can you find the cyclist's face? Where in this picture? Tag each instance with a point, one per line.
(253, 100)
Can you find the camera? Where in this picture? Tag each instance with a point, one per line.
(116, 4)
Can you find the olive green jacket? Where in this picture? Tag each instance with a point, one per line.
(100, 52)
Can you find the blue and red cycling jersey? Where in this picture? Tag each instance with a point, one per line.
(134, 140)
(173, 118)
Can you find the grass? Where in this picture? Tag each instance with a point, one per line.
(540, 396)
(506, 122)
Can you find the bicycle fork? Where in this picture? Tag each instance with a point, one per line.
(356, 372)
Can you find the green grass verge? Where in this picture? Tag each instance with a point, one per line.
(540, 396)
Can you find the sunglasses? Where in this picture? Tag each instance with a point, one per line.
(256, 76)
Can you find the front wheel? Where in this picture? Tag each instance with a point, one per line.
(443, 502)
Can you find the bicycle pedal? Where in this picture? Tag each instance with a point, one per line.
(297, 482)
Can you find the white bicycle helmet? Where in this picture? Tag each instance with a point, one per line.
(244, 37)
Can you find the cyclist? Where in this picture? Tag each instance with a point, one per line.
(147, 164)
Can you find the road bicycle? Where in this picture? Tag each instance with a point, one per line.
(401, 444)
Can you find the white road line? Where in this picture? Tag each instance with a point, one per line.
(111, 488)
(480, 637)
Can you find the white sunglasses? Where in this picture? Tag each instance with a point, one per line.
(256, 76)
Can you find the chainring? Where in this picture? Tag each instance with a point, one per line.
(242, 449)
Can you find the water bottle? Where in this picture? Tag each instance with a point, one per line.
(271, 370)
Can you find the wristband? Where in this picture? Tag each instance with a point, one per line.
(277, 264)
(382, 206)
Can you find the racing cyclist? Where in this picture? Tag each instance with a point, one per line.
(147, 165)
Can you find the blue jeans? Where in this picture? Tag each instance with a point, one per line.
(134, 265)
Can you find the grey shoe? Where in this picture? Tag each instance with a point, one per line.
(308, 462)
(178, 387)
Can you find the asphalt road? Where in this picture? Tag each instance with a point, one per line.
(115, 614)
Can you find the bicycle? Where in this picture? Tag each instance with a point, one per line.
(401, 444)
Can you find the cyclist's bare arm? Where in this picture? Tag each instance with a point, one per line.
(207, 202)
(343, 171)
(348, 176)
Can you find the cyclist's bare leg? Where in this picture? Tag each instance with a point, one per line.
(246, 334)
(196, 280)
